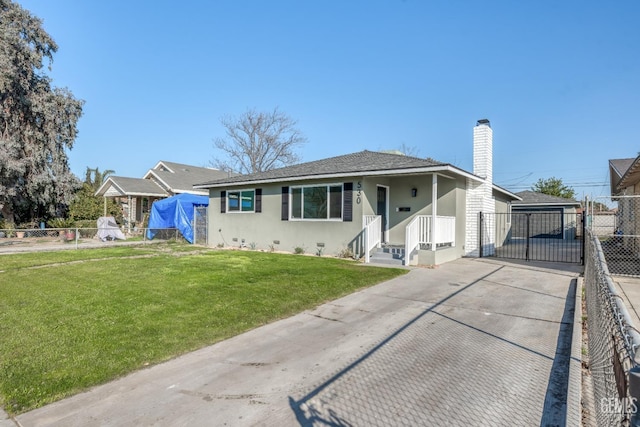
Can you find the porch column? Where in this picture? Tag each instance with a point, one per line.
(105, 205)
(129, 222)
(434, 209)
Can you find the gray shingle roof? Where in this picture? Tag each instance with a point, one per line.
(355, 163)
(133, 186)
(621, 166)
(182, 177)
(624, 173)
(534, 198)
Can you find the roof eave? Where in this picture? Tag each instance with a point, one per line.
(404, 171)
(506, 192)
(631, 174)
(529, 204)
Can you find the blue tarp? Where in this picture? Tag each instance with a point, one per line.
(175, 212)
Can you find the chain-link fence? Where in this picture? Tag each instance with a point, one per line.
(616, 223)
(612, 342)
(200, 223)
(68, 238)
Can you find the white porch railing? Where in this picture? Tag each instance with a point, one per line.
(419, 232)
(372, 233)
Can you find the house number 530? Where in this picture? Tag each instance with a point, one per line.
(358, 192)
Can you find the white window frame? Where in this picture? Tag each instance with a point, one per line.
(328, 187)
(240, 211)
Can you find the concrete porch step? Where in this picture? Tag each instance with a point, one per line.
(393, 255)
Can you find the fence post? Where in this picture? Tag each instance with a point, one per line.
(194, 226)
(526, 251)
(584, 237)
(77, 237)
(480, 221)
(634, 394)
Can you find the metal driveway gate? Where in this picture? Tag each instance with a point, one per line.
(545, 235)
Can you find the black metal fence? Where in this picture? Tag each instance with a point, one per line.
(554, 236)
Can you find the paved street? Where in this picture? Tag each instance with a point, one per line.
(472, 342)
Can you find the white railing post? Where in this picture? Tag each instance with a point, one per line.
(372, 231)
(412, 239)
(366, 245)
(422, 231)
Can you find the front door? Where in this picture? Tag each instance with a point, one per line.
(382, 209)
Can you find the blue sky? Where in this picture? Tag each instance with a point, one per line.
(559, 80)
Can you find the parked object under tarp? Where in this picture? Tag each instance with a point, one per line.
(108, 229)
(175, 212)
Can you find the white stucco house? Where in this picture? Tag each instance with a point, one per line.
(362, 203)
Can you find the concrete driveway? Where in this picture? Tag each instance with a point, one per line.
(472, 342)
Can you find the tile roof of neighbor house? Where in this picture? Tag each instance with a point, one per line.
(180, 178)
(535, 198)
(349, 164)
(624, 173)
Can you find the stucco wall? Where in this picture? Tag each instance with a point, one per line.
(266, 230)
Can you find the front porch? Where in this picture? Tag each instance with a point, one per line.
(425, 236)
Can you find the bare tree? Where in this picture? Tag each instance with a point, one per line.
(258, 141)
(412, 151)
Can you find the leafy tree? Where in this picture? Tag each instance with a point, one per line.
(95, 178)
(37, 122)
(553, 187)
(258, 141)
(86, 205)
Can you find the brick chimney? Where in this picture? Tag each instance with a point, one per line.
(479, 195)
(483, 150)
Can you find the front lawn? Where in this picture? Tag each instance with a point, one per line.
(84, 317)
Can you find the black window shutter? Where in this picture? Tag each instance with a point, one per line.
(258, 200)
(347, 215)
(285, 203)
(223, 201)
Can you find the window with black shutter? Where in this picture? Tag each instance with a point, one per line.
(285, 204)
(347, 215)
(258, 207)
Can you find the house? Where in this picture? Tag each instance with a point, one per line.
(625, 190)
(165, 179)
(357, 202)
(548, 216)
(625, 176)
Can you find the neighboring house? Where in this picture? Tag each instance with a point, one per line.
(165, 179)
(550, 216)
(625, 176)
(625, 190)
(355, 202)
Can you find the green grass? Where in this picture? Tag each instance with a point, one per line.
(68, 325)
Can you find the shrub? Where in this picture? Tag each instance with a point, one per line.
(61, 223)
(346, 253)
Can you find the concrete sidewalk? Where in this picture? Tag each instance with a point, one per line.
(472, 342)
(629, 290)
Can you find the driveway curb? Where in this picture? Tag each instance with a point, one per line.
(574, 391)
